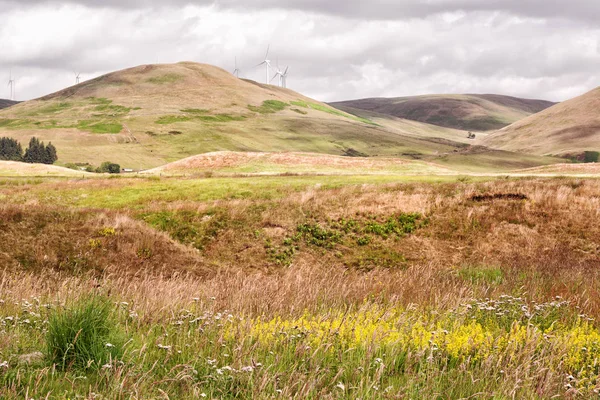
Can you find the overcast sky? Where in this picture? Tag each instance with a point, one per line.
(336, 49)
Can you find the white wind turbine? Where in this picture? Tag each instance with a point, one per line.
(266, 62)
(12, 84)
(77, 78)
(279, 74)
(236, 71)
(284, 77)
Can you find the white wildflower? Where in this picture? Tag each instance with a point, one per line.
(249, 368)
(202, 394)
(341, 386)
(163, 347)
(109, 345)
(106, 366)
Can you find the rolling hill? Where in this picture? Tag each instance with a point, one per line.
(568, 129)
(7, 103)
(151, 115)
(471, 112)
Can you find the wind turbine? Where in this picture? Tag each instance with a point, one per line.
(12, 83)
(266, 62)
(279, 74)
(77, 78)
(284, 77)
(236, 71)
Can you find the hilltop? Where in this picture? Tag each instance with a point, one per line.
(472, 112)
(151, 115)
(567, 129)
(7, 103)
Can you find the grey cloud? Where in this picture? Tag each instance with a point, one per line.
(332, 57)
(581, 10)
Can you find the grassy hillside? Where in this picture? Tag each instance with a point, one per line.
(569, 129)
(471, 112)
(299, 287)
(151, 115)
(13, 168)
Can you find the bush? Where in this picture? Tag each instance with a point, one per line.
(109, 167)
(85, 336)
(591, 156)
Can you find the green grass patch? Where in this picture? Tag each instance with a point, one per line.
(113, 109)
(85, 336)
(51, 109)
(200, 111)
(481, 274)
(269, 107)
(220, 118)
(330, 110)
(165, 79)
(172, 119)
(95, 126)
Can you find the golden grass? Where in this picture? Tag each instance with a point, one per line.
(569, 127)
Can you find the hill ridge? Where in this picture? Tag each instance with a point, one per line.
(474, 112)
(567, 129)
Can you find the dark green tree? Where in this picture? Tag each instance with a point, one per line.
(50, 154)
(37, 152)
(10, 149)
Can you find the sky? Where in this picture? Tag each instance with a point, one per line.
(335, 49)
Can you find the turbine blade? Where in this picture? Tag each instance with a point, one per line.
(268, 48)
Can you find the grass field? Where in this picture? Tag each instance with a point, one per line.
(371, 287)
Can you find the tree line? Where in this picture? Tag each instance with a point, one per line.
(37, 152)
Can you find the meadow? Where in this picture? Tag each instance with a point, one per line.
(324, 287)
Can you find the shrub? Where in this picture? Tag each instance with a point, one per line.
(85, 336)
(591, 156)
(109, 167)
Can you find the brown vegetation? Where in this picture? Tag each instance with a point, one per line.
(541, 235)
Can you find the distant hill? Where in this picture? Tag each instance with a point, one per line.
(568, 129)
(7, 103)
(471, 112)
(151, 115)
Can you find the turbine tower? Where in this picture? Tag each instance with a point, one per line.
(77, 78)
(284, 77)
(266, 62)
(11, 84)
(236, 71)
